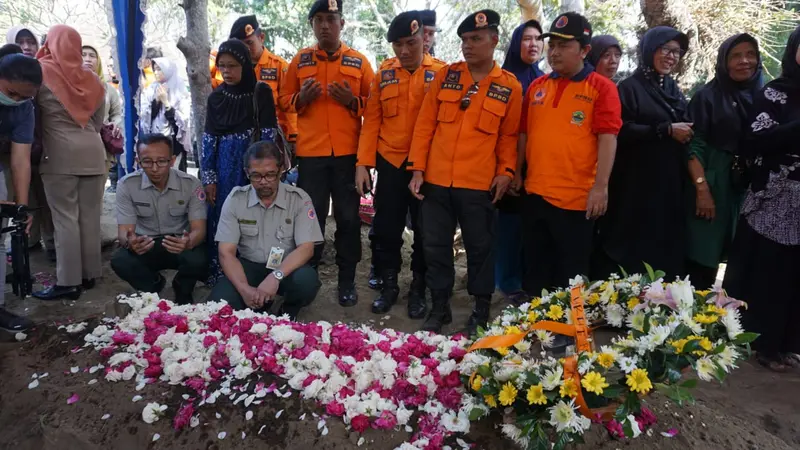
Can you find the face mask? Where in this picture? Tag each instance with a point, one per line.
(8, 101)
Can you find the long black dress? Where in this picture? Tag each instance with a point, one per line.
(645, 219)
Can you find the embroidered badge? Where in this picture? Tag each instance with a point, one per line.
(539, 94)
(288, 220)
(481, 20)
(332, 6)
(453, 76)
(311, 213)
(248, 30)
(141, 204)
(429, 75)
(200, 193)
(181, 202)
(578, 117)
(562, 22)
(269, 74)
(351, 61)
(387, 78)
(414, 27)
(452, 86)
(306, 59)
(499, 92)
(248, 222)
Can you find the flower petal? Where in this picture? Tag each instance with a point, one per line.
(73, 399)
(33, 384)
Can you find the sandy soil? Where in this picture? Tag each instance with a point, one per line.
(755, 409)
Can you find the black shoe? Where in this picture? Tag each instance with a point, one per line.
(51, 255)
(389, 294)
(57, 292)
(440, 314)
(417, 303)
(182, 298)
(88, 283)
(480, 314)
(12, 322)
(347, 294)
(10, 278)
(375, 282)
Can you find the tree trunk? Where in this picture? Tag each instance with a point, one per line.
(196, 50)
(577, 6)
(676, 14)
(531, 10)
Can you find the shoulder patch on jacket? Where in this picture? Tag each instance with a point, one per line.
(269, 74)
(499, 92)
(351, 61)
(306, 59)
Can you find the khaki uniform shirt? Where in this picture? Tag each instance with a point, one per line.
(160, 213)
(288, 222)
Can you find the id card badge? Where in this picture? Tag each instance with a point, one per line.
(275, 258)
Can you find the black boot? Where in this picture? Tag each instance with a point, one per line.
(12, 322)
(389, 293)
(417, 303)
(375, 281)
(440, 314)
(480, 314)
(347, 294)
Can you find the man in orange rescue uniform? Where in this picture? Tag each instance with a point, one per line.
(394, 103)
(327, 85)
(568, 135)
(463, 155)
(269, 67)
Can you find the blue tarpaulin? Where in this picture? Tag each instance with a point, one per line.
(128, 20)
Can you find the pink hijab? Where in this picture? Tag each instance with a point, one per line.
(77, 88)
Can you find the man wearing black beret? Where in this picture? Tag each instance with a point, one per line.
(429, 28)
(463, 155)
(327, 85)
(394, 103)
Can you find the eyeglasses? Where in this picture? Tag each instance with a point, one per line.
(465, 102)
(676, 53)
(148, 163)
(258, 178)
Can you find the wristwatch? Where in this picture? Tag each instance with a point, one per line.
(278, 275)
(700, 180)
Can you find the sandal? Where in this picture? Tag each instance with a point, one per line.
(775, 365)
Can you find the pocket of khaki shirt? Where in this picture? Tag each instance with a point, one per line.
(248, 230)
(177, 211)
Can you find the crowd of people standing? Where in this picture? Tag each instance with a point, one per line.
(547, 175)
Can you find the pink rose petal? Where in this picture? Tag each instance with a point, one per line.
(73, 399)
(672, 432)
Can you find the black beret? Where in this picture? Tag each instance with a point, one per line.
(325, 6)
(480, 20)
(406, 24)
(428, 17)
(244, 27)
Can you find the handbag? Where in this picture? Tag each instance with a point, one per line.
(114, 144)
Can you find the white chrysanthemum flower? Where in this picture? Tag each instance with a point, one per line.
(705, 368)
(128, 373)
(403, 415)
(553, 379)
(688, 320)
(611, 351)
(515, 434)
(523, 346)
(312, 390)
(545, 337)
(562, 416)
(615, 315)
(446, 367)
(259, 328)
(636, 321)
(455, 423)
(628, 364)
(658, 335)
(471, 361)
(727, 358)
(733, 324)
(152, 412)
(683, 294)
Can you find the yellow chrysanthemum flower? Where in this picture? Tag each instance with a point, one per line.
(569, 388)
(533, 317)
(513, 330)
(502, 350)
(714, 309)
(594, 382)
(679, 344)
(489, 399)
(477, 382)
(606, 360)
(604, 286)
(508, 394)
(555, 312)
(703, 294)
(706, 344)
(706, 319)
(536, 395)
(561, 295)
(639, 382)
(593, 299)
(614, 297)
(633, 302)
(535, 303)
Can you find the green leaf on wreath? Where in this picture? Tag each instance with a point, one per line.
(745, 338)
(613, 392)
(485, 372)
(475, 414)
(650, 272)
(689, 384)
(660, 274)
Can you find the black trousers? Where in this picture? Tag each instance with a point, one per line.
(557, 244)
(440, 211)
(329, 177)
(393, 202)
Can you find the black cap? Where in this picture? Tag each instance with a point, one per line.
(571, 26)
(428, 17)
(244, 27)
(325, 6)
(481, 20)
(406, 24)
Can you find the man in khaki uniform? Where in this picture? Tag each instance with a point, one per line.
(161, 215)
(274, 228)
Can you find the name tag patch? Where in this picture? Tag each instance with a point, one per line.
(248, 222)
(499, 92)
(269, 74)
(141, 204)
(351, 61)
(306, 59)
(453, 86)
(584, 98)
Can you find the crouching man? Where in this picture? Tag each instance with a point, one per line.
(161, 217)
(274, 228)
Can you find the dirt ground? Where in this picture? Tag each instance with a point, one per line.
(755, 409)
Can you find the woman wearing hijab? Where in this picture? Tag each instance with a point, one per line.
(522, 59)
(230, 128)
(605, 55)
(720, 111)
(646, 219)
(113, 108)
(24, 37)
(764, 264)
(71, 103)
(166, 108)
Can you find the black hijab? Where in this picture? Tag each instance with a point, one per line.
(662, 87)
(790, 70)
(230, 107)
(720, 109)
(599, 46)
(513, 63)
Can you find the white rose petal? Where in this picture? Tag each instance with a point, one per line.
(20, 337)
(136, 398)
(92, 381)
(33, 384)
(75, 369)
(152, 412)
(261, 429)
(156, 437)
(219, 416)
(243, 435)
(248, 415)
(361, 441)
(105, 417)
(278, 415)
(222, 435)
(325, 431)
(194, 421)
